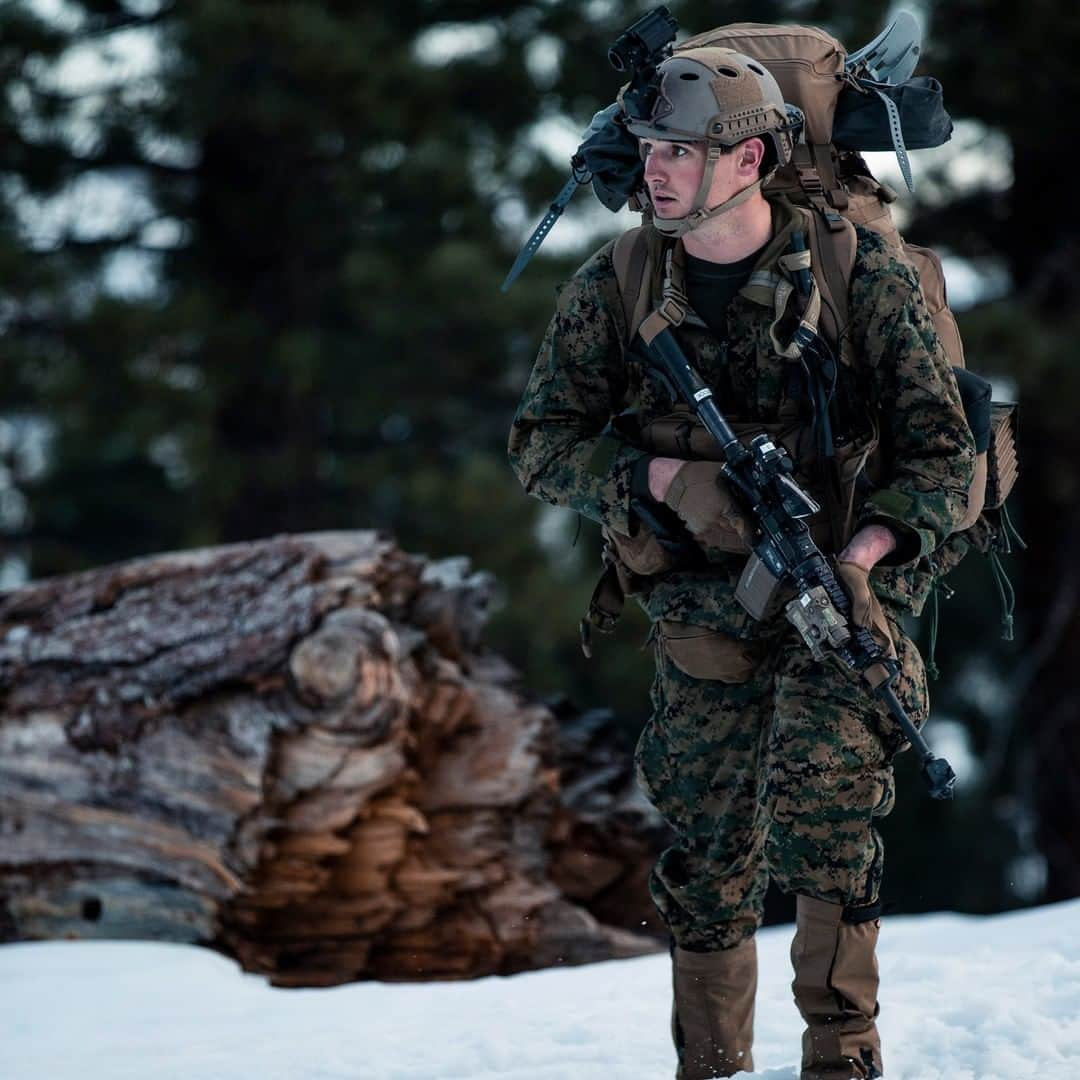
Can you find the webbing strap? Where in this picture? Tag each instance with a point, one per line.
(822, 156)
(834, 256)
(629, 258)
(806, 331)
(673, 305)
(796, 260)
(813, 167)
(896, 130)
(807, 348)
(762, 279)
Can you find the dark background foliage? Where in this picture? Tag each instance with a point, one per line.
(293, 322)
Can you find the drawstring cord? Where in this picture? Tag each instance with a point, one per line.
(1009, 539)
(1006, 594)
(938, 591)
(1009, 533)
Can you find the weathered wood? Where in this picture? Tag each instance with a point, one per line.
(297, 752)
(604, 837)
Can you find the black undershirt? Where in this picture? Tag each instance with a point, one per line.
(711, 286)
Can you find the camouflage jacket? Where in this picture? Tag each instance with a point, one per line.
(566, 451)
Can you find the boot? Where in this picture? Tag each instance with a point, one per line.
(712, 1019)
(835, 987)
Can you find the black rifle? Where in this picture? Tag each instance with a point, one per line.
(760, 476)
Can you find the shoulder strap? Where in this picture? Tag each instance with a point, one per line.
(630, 258)
(832, 254)
(833, 259)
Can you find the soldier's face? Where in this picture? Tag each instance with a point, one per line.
(673, 173)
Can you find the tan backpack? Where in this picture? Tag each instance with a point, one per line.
(809, 66)
(837, 186)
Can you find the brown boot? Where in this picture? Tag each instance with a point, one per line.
(835, 987)
(712, 1020)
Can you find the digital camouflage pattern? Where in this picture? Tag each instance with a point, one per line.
(780, 773)
(564, 451)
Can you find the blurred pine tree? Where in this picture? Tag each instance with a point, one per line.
(249, 283)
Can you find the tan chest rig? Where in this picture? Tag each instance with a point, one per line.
(633, 563)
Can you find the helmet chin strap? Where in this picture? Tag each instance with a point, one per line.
(699, 214)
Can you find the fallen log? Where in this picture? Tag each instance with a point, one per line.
(294, 751)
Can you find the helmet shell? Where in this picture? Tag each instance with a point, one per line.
(719, 96)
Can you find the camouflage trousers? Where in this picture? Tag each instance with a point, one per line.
(779, 772)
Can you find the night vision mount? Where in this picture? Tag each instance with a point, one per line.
(607, 156)
(640, 50)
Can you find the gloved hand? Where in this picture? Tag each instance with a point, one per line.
(700, 495)
(866, 609)
(611, 154)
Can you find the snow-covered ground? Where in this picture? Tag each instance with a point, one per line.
(962, 998)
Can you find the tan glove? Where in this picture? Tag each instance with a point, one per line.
(866, 609)
(700, 495)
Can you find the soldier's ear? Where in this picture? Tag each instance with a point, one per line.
(751, 153)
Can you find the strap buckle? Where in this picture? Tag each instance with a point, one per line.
(671, 311)
(832, 219)
(810, 181)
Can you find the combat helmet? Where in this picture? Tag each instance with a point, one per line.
(719, 97)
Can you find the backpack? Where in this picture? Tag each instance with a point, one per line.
(839, 101)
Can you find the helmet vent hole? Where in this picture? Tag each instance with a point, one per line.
(731, 73)
(755, 68)
(689, 76)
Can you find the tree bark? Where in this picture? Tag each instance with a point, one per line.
(294, 751)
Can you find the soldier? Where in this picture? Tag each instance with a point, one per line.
(763, 761)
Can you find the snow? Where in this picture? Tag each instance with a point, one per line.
(963, 998)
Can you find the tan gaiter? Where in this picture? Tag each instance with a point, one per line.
(713, 1016)
(835, 987)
